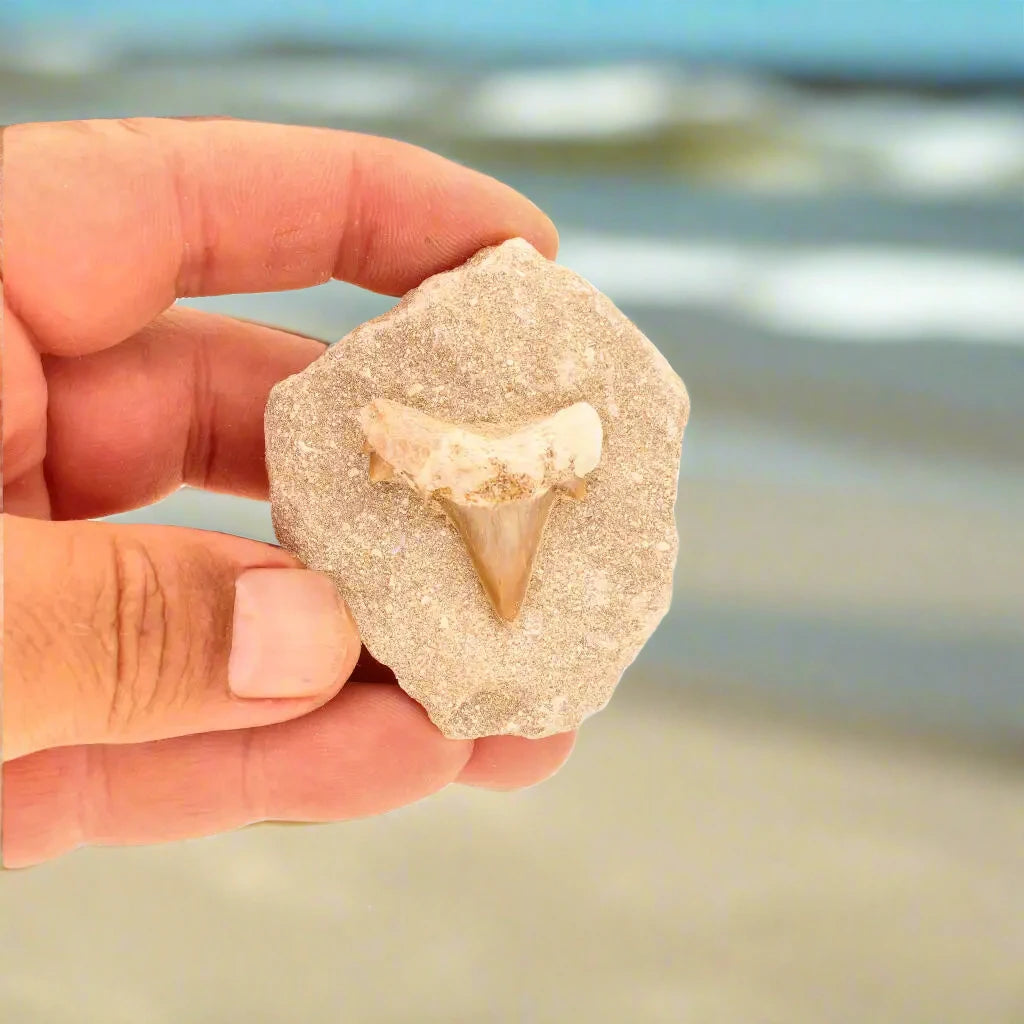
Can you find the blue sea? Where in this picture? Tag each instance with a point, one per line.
(927, 38)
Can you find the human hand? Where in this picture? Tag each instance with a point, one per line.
(142, 701)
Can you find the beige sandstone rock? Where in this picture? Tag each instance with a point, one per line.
(489, 474)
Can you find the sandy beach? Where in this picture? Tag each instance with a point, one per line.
(689, 865)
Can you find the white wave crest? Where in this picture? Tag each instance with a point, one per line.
(844, 294)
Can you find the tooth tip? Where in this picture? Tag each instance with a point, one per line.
(507, 605)
(508, 614)
(503, 541)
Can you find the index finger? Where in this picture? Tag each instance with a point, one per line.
(106, 223)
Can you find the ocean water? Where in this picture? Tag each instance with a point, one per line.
(941, 38)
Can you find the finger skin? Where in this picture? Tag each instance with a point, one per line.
(369, 750)
(181, 402)
(23, 418)
(28, 495)
(23, 390)
(107, 222)
(512, 762)
(121, 634)
(138, 213)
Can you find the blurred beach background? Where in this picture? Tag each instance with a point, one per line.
(806, 801)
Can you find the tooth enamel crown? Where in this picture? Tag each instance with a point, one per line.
(496, 484)
(483, 465)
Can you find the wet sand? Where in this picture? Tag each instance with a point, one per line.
(690, 865)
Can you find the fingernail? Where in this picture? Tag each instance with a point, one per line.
(293, 635)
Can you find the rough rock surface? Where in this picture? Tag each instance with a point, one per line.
(507, 338)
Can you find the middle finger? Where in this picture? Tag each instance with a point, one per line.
(181, 402)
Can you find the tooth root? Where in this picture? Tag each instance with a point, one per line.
(576, 487)
(380, 469)
(503, 541)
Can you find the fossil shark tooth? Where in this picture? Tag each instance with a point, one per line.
(497, 484)
(503, 541)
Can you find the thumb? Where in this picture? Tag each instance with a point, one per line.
(122, 634)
